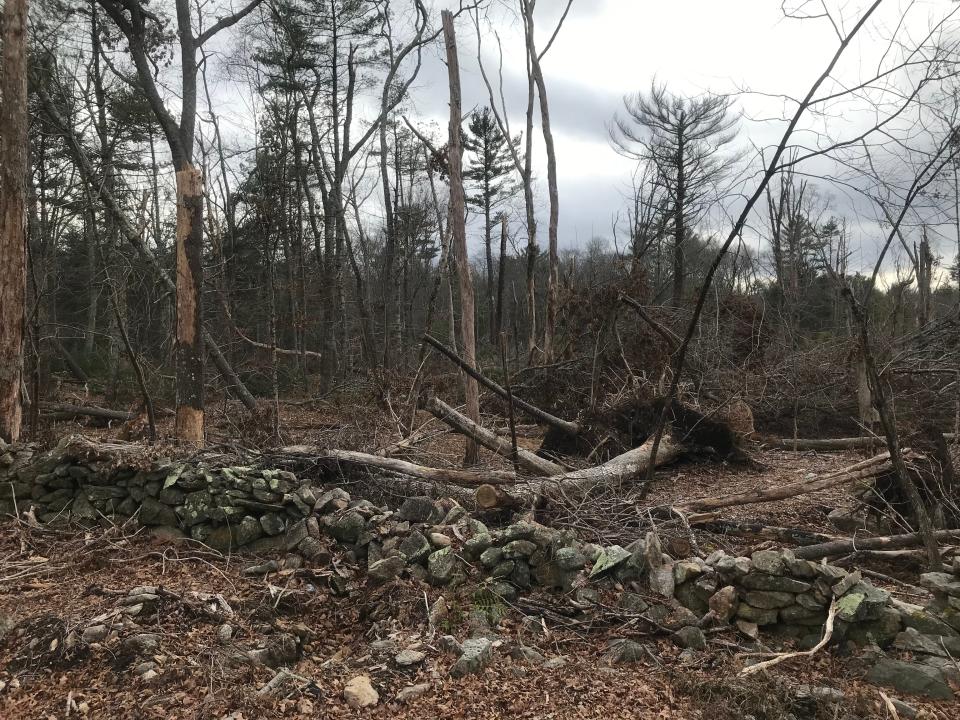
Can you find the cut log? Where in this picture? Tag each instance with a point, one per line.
(449, 476)
(886, 542)
(570, 428)
(577, 483)
(868, 468)
(464, 425)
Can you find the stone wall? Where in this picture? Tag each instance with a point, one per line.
(439, 542)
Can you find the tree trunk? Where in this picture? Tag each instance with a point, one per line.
(13, 215)
(189, 238)
(553, 276)
(501, 274)
(459, 235)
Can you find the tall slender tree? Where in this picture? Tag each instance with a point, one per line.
(13, 214)
(489, 172)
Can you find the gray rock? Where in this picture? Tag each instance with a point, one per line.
(568, 558)
(347, 527)
(926, 622)
(516, 549)
(331, 501)
(684, 570)
(660, 580)
(141, 644)
(522, 653)
(723, 603)
(272, 523)
(491, 557)
(411, 692)
(862, 602)
(224, 633)
(690, 637)
(845, 585)
(311, 549)
(800, 615)
(475, 546)
(609, 559)
(415, 547)
(420, 510)
(768, 561)
(156, 513)
(941, 583)
(503, 569)
(632, 602)
(915, 642)
(759, 616)
(775, 583)
(94, 633)
(409, 657)
(653, 550)
(386, 569)
(476, 655)
(441, 566)
(769, 599)
(621, 650)
(910, 678)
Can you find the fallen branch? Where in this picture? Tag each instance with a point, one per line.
(465, 426)
(886, 542)
(570, 428)
(862, 470)
(827, 635)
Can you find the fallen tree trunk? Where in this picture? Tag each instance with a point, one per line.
(849, 443)
(887, 542)
(862, 470)
(570, 428)
(65, 411)
(741, 528)
(623, 468)
(465, 426)
(449, 476)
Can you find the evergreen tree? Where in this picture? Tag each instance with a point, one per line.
(489, 173)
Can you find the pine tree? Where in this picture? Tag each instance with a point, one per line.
(489, 173)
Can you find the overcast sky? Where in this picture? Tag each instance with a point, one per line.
(607, 48)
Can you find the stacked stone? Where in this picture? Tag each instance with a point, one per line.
(226, 508)
(419, 539)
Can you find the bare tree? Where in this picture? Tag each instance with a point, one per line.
(457, 221)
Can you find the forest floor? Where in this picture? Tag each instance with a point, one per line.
(73, 577)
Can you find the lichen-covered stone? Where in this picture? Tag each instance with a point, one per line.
(476, 654)
(441, 566)
(516, 549)
(769, 599)
(768, 561)
(415, 547)
(386, 569)
(347, 527)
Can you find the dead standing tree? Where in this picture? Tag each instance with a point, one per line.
(13, 214)
(457, 220)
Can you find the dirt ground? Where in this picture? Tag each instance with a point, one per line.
(53, 582)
